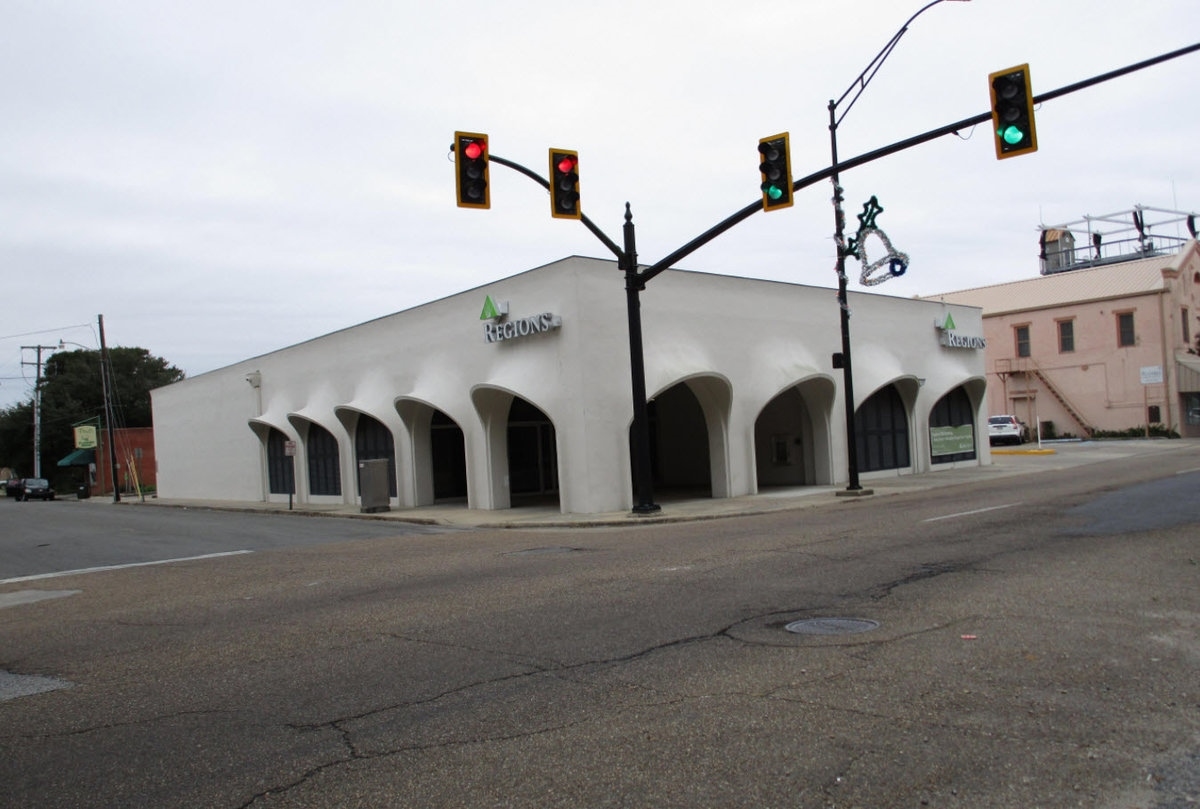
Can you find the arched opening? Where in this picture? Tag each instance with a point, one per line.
(881, 432)
(448, 458)
(439, 455)
(281, 468)
(373, 441)
(688, 439)
(324, 460)
(520, 449)
(952, 428)
(532, 454)
(791, 436)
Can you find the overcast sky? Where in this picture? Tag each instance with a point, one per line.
(220, 179)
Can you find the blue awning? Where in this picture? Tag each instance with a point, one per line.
(80, 457)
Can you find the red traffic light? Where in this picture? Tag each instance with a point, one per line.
(473, 149)
(566, 163)
(564, 184)
(471, 167)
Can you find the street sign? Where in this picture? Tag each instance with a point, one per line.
(289, 449)
(1152, 374)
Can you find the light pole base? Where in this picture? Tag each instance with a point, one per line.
(854, 492)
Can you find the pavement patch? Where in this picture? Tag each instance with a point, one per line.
(13, 686)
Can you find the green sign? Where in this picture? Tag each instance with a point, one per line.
(952, 440)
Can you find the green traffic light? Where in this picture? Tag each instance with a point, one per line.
(1012, 135)
(774, 192)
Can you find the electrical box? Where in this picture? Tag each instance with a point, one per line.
(373, 485)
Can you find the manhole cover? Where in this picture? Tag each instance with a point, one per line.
(831, 626)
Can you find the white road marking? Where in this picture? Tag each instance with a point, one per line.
(33, 596)
(969, 513)
(81, 571)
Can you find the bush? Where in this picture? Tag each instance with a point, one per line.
(1156, 431)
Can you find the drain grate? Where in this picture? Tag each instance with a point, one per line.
(831, 626)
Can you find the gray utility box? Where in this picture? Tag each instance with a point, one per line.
(373, 485)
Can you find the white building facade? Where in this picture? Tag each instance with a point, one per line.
(520, 390)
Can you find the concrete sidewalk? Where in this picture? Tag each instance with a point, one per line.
(1005, 463)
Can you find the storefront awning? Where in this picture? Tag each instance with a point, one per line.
(80, 457)
(1188, 369)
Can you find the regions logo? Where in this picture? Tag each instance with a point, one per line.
(950, 337)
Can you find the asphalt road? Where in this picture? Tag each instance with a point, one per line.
(39, 538)
(1037, 645)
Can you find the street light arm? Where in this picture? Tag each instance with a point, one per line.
(874, 65)
(588, 223)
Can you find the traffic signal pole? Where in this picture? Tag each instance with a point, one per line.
(634, 284)
(635, 280)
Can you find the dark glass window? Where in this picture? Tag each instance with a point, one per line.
(881, 432)
(1125, 333)
(372, 440)
(953, 410)
(281, 477)
(1021, 333)
(1066, 336)
(324, 469)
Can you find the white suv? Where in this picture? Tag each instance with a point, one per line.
(1006, 430)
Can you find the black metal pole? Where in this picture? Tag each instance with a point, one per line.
(106, 382)
(839, 239)
(634, 285)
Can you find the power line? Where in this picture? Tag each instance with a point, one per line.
(46, 331)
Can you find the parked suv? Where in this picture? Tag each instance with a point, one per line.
(1006, 430)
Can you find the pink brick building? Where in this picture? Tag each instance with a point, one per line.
(1108, 347)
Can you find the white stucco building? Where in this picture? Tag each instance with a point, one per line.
(486, 411)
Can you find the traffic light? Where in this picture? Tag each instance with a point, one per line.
(564, 184)
(776, 168)
(1012, 112)
(471, 160)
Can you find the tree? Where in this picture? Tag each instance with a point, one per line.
(72, 392)
(16, 438)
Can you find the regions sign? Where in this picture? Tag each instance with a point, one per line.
(501, 329)
(951, 338)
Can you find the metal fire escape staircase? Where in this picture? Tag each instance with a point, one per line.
(1027, 367)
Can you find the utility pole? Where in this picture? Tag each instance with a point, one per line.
(106, 384)
(37, 406)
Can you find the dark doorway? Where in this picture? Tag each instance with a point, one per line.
(532, 451)
(679, 454)
(448, 448)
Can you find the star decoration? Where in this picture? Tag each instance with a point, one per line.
(866, 219)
